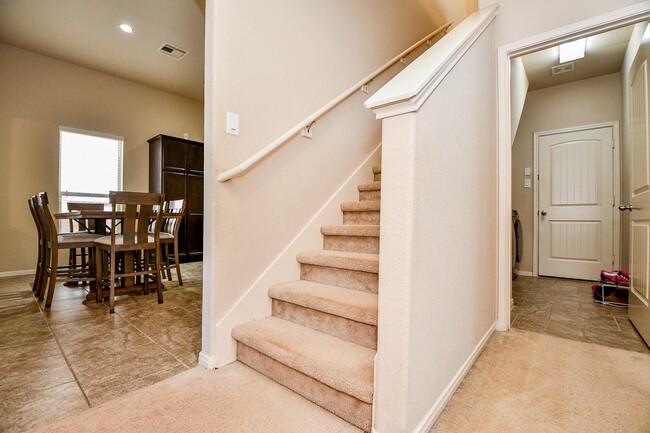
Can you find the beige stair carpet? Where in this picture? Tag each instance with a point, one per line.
(322, 337)
(528, 382)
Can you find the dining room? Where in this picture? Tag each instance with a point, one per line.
(73, 354)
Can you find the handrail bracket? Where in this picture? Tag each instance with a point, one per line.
(306, 131)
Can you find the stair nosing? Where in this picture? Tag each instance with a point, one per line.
(350, 384)
(327, 305)
(365, 230)
(361, 206)
(363, 262)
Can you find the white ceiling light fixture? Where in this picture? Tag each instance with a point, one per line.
(573, 50)
(126, 28)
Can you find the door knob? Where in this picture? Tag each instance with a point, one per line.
(623, 207)
(543, 213)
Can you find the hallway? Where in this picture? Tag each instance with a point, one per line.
(566, 308)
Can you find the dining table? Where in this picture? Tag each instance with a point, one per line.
(101, 218)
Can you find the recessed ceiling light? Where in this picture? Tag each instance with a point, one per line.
(572, 50)
(126, 28)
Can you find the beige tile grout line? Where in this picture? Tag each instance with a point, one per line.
(65, 358)
(152, 340)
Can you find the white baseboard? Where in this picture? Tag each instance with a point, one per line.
(523, 273)
(17, 273)
(207, 361)
(432, 415)
(254, 303)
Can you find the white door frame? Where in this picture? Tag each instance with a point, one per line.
(612, 20)
(616, 173)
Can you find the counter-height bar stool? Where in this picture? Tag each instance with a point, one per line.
(139, 209)
(56, 242)
(173, 212)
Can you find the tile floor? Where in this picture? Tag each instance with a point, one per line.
(61, 361)
(566, 308)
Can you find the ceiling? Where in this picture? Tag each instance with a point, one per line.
(85, 32)
(603, 55)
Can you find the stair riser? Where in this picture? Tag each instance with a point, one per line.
(345, 329)
(361, 218)
(356, 280)
(377, 177)
(349, 408)
(369, 195)
(352, 244)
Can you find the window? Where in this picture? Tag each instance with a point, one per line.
(90, 165)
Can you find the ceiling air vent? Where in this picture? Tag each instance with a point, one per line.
(172, 51)
(561, 69)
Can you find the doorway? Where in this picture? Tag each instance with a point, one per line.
(506, 53)
(576, 227)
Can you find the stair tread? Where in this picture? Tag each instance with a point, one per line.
(370, 186)
(360, 206)
(376, 169)
(340, 364)
(371, 230)
(339, 301)
(341, 259)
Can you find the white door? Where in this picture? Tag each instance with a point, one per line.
(576, 199)
(639, 193)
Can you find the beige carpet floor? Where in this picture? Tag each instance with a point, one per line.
(522, 382)
(233, 399)
(536, 383)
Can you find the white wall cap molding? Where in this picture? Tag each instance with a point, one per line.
(407, 91)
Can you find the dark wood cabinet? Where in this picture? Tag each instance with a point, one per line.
(176, 170)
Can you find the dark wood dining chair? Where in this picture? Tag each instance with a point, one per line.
(173, 212)
(82, 226)
(42, 247)
(139, 210)
(56, 242)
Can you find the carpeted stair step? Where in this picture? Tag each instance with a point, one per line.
(358, 271)
(369, 191)
(361, 212)
(351, 238)
(344, 313)
(376, 171)
(333, 373)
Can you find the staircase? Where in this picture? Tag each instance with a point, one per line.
(321, 340)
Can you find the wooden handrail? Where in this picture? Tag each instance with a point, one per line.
(241, 168)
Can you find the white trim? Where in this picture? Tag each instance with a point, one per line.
(17, 273)
(615, 19)
(92, 133)
(207, 361)
(616, 173)
(432, 415)
(254, 303)
(412, 87)
(524, 273)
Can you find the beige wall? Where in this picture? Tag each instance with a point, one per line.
(584, 102)
(438, 268)
(274, 63)
(37, 95)
(519, 19)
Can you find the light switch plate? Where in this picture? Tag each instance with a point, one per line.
(232, 124)
(526, 183)
(526, 171)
